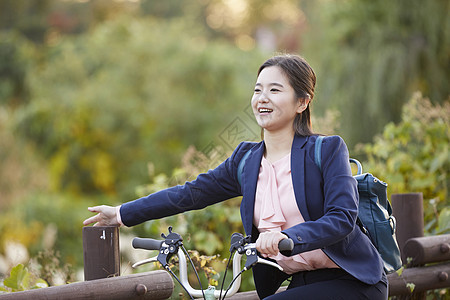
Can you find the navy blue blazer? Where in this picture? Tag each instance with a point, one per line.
(327, 200)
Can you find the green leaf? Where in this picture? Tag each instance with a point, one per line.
(3, 288)
(40, 283)
(19, 278)
(411, 286)
(400, 271)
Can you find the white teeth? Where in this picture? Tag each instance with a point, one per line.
(265, 110)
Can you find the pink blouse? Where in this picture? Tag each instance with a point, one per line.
(276, 209)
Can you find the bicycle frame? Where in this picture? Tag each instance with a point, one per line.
(198, 293)
(184, 274)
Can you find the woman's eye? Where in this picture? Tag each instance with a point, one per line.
(257, 90)
(274, 90)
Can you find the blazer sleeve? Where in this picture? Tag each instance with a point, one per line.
(208, 188)
(339, 201)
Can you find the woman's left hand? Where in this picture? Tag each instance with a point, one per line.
(267, 242)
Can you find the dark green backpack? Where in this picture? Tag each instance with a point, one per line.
(374, 213)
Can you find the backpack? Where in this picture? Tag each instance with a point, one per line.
(374, 212)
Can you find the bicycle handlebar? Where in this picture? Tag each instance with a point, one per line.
(286, 245)
(147, 244)
(153, 244)
(171, 245)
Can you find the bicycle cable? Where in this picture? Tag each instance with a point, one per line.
(231, 283)
(195, 271)
(175, 276)
(225, 274)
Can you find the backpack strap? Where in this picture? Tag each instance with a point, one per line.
(318, 152)
(241, 166)
(357, 163)
(317, 160)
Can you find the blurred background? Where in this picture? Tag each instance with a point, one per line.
(104, 101)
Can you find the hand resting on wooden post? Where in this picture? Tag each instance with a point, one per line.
(107, 216)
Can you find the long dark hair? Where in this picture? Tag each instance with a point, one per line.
(303, 80)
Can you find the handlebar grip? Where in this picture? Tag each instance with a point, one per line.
(147, 244)
(286, 245)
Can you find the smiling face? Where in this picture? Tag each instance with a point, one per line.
(274, 101)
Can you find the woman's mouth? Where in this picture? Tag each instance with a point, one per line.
(265, 110)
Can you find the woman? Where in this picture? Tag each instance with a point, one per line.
(285, 195)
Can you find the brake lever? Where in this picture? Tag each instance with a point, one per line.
(172, 243)
(270, 263)
(253, 258)
(145, 261)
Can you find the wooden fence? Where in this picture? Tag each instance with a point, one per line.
(426, 259)
(150, 285)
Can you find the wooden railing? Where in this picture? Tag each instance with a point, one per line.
(426, 259)
(149, 285)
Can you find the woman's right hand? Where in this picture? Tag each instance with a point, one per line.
(267, 242)
(106, 216)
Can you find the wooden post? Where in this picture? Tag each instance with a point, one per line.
(408, 211)
(101, 252)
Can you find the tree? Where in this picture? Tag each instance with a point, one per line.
(133, 91)
(16, 58)
(370, 57)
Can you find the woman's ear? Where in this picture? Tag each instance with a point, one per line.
(302, 104)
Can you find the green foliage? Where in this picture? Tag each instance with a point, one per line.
(414, 156)
(46, 269)
(204, 229)
(21, 279)
(27, 17)
(49, 266)
(91, 110)
(16, 58)
(128, 93)
(205, 265)
(207, 231)
(370, 56)
(44, 221)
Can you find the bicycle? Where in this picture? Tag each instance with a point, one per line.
(173, 244)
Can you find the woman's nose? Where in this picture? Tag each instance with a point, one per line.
(263, 98)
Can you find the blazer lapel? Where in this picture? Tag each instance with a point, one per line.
(250, 174)
(298, 154)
